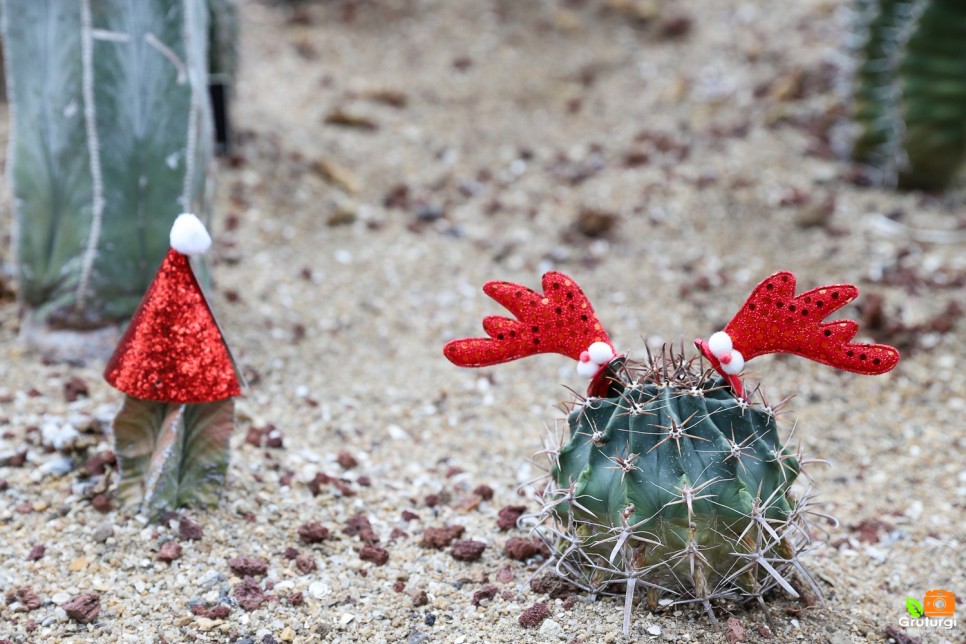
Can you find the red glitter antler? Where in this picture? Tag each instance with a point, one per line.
(774, 320)
(560, 320)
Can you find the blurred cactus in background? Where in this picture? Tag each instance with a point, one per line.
(910, 95)
(222, 66)
(111, 138)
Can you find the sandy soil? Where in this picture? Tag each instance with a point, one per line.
(495, 140)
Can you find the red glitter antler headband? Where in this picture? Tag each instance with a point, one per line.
(560, 320)
(774, 320)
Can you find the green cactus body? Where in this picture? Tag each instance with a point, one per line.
(934, 90)
(876, 96)
(172, 455)
(910, 95)
(111, 139)
(676, 482)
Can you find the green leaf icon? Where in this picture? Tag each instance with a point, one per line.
(914, 606)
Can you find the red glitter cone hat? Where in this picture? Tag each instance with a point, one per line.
(173, 350)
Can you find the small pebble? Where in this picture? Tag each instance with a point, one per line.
(550, 629)
(249, 594)
(37, 552)
(306, 563)
(468, 550)
(103, 532)
(313, 532)
(83, 608)
(248, 566)
(319, 589)
(78, 564)
(169, 552)
(508, 515)
(375, 554)
(534, 616)
(188, 530)
(60, 598)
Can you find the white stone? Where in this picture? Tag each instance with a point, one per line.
(60, 598)
(57, 466)
(58, 436)
(319, 589)
(550, 628)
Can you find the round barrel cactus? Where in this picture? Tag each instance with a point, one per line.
(672, 479)
(677, 485)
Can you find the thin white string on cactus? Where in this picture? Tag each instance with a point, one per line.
(188, 35)
(12, 137)
(110, 36)
(93, 150)
(170, 54)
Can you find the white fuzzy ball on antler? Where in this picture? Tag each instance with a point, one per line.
(735, 365)
(720, 343)
(588, 369)
(189, 236)
(600, 352)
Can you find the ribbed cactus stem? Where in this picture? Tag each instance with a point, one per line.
(676, 487)
(910, 94)
(111, 139)
(172, 455)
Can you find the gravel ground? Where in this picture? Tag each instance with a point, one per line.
(393, 156)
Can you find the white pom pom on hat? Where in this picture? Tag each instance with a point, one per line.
(189, 236)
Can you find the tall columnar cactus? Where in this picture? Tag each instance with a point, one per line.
(673, 479)
(910, 95)
(111, 137)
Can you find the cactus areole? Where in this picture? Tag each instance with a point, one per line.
(171, 435)
(673, 478)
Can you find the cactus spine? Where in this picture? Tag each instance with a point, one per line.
(910, 95)
(111, 138)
